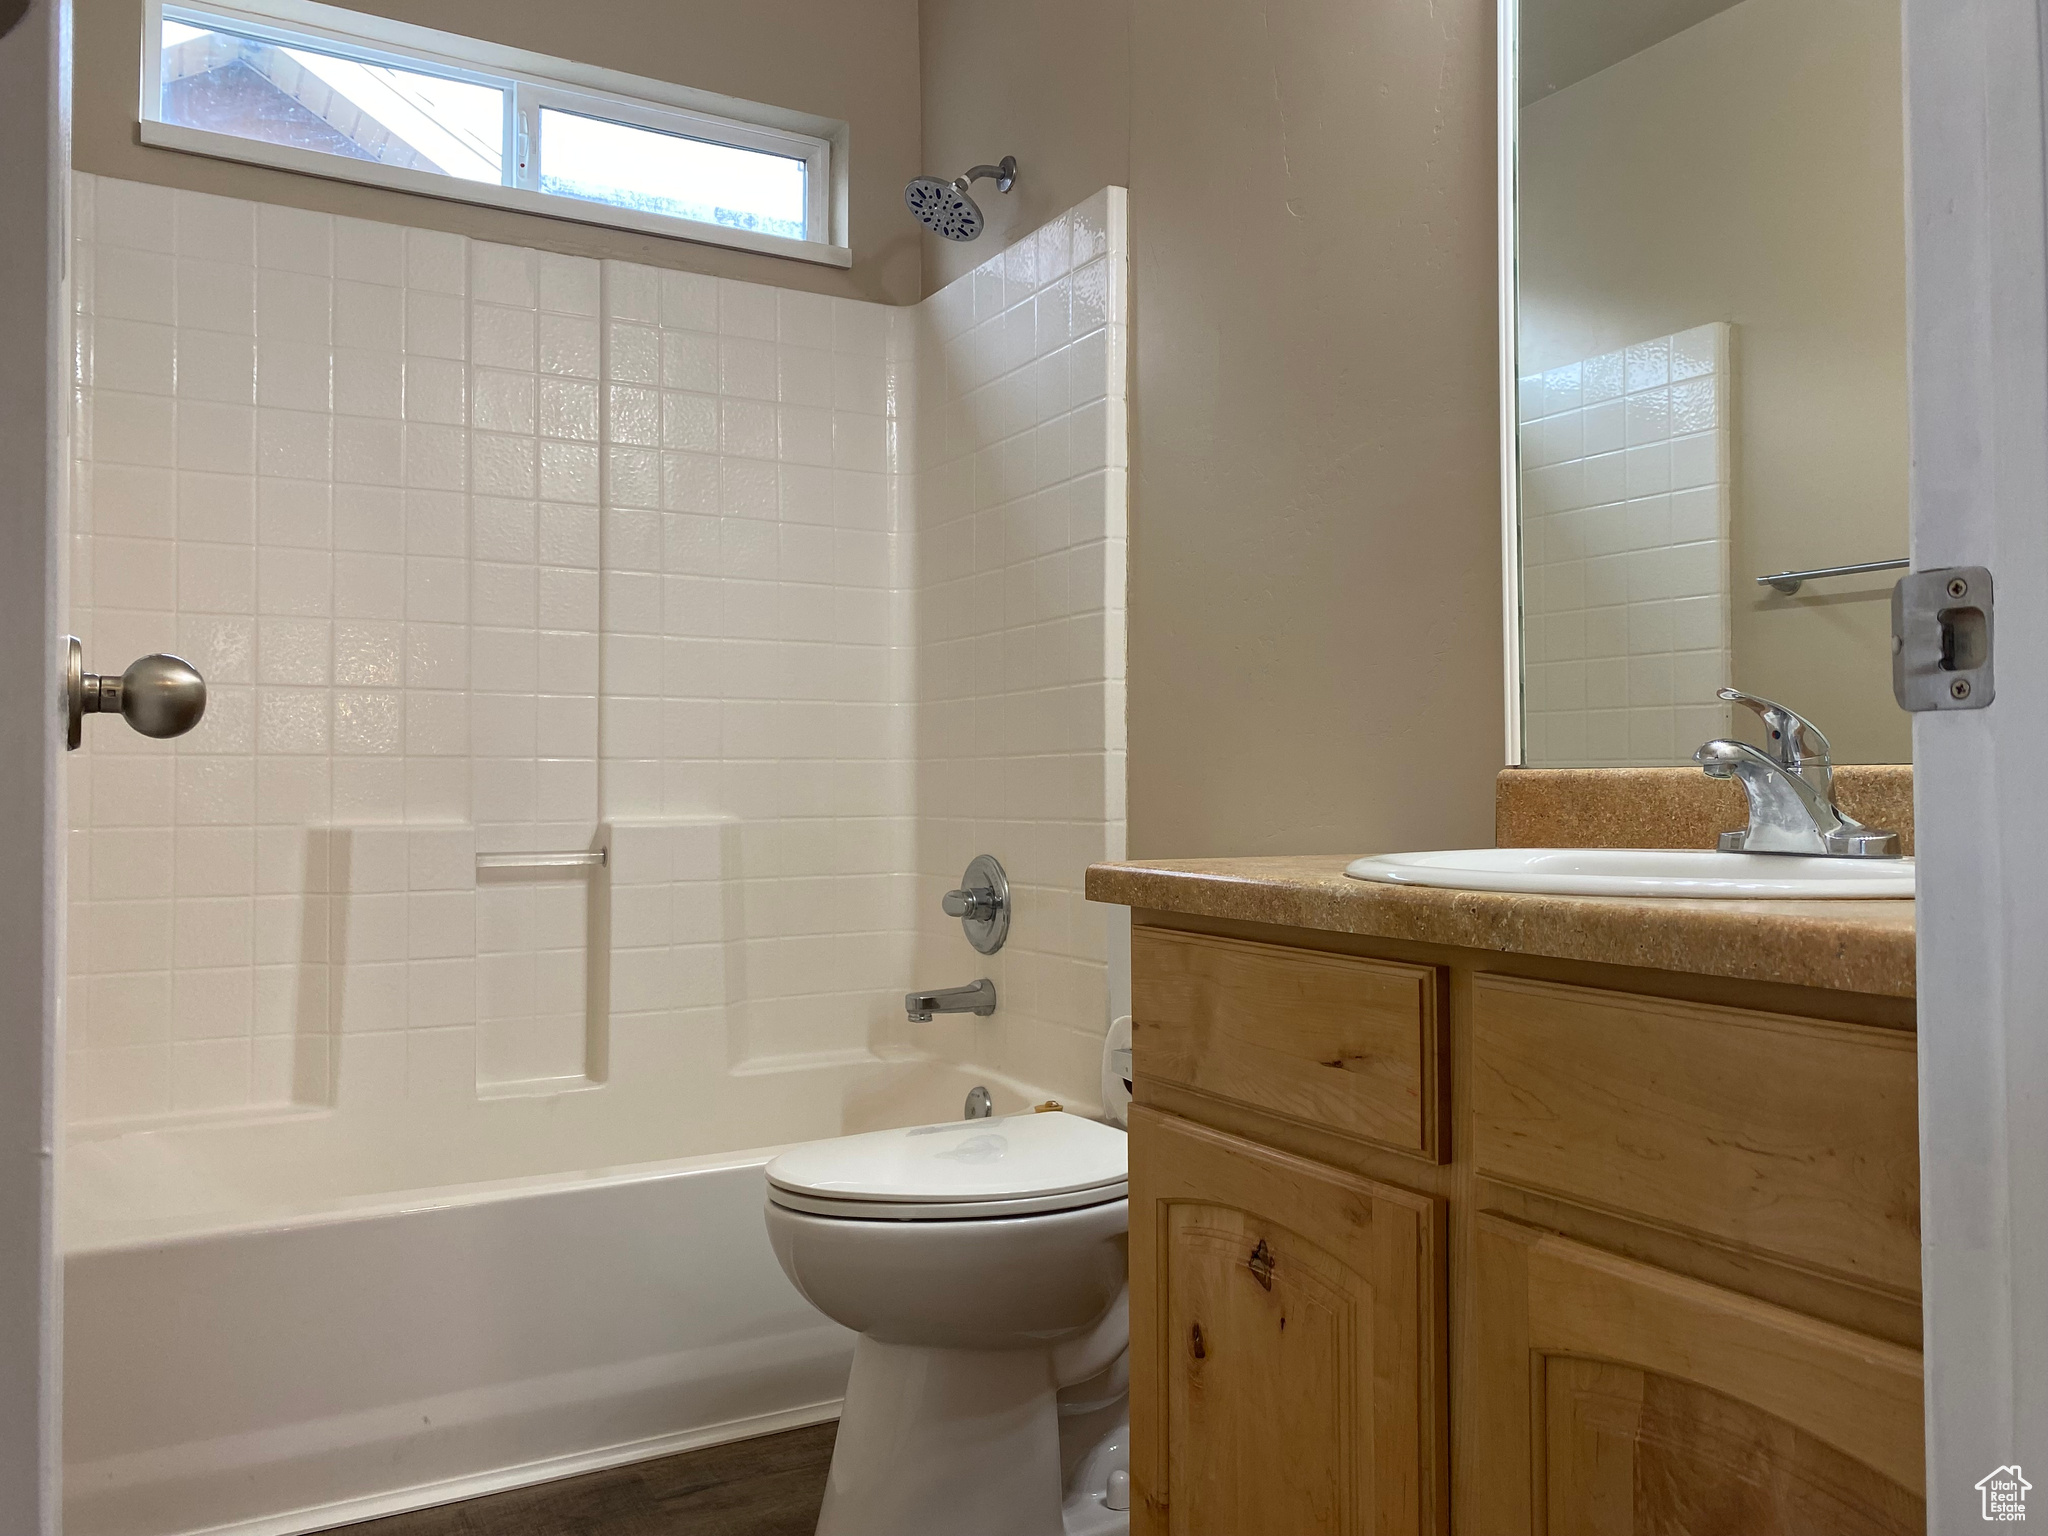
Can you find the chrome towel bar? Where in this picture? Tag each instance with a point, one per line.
(1789, 582)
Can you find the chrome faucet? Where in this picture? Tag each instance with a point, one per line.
(1791, 790)
(977, 997)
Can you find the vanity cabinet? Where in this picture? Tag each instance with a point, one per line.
(1292, 1317)
(1612, 1398)
(1333, 1040)
(1427, 1239)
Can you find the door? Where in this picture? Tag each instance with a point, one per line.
(33, 178)
(1978, 343)
(1614, 1399)
(1288, 1338)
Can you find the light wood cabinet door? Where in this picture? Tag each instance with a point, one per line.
(1611, 1398)
(1287, 1337)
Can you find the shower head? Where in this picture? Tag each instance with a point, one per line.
(944, 208)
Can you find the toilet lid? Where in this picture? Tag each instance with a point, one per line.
(1009, 1165)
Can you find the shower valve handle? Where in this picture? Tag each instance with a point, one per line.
(982, 903)
(979, 904)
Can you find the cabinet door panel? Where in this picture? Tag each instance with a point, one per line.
(1287, 1343)
(1633, 1452)
(1615, 1399)
(1263, 1398)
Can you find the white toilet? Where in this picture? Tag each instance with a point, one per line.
(982, 1264)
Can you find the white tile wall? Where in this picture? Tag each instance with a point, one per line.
(1625, 599)
(1021, 544)
(757, 647)
(535, 326)
(402, 939)
(204, 522)
(674, 974)
(488, 549)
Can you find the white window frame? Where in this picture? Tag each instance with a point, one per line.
(530, 81)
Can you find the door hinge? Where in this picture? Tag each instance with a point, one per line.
(1941, 639)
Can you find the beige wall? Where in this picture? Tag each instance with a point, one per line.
(855, 60)
(1751, 170)
(1048, 82)
(1315, 603)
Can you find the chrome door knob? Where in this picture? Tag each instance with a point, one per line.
(159, 695)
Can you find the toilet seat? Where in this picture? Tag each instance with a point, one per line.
(1012, 1165)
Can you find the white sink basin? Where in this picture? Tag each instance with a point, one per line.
(1641, 872)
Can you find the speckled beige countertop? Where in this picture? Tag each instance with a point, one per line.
(1849, 946)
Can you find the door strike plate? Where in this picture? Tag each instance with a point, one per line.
(1941, 639)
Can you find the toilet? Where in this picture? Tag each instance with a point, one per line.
(982, 1263)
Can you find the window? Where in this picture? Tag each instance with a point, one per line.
(359, 98)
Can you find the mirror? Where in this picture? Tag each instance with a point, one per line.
(1709, 333)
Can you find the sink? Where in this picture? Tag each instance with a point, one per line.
(1641, 872)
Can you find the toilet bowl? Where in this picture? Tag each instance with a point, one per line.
(982, 1263)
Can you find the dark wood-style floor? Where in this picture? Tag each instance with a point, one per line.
(772, 1486)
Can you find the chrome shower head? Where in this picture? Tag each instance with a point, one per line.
(944, 208)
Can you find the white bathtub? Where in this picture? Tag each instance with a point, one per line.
(241, 1356)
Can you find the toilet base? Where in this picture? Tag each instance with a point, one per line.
(953, 1442)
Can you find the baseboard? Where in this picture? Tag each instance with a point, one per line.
(323, 1517)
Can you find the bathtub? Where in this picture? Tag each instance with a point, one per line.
(285, 1324)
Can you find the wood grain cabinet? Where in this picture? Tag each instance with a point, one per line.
(1337, 1041)
(1292, 1325)
(1421, 1243)
(1612, 1398)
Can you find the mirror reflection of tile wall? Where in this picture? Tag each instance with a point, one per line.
(1625, 460)
(1681, 165)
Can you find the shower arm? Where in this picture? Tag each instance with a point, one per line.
(1004, 175)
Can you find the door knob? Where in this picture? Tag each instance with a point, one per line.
(159, 695)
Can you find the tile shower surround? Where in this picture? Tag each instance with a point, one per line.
(1020, 522)
(1625, 512)
(484, 549)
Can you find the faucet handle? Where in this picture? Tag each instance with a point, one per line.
(982, 903)
(978, 904)
(1795, 741)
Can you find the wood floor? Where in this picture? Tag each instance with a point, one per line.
(766, 1487)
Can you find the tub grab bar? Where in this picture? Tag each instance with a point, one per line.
(581, 859)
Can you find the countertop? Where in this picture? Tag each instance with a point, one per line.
(1846, 946)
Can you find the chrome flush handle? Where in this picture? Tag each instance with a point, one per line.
(159, 695)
